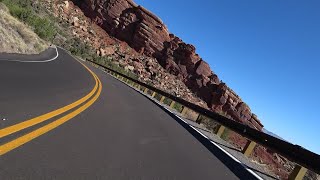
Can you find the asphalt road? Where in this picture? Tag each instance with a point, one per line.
(123, 135)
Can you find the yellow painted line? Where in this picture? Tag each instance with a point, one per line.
(31, 122)
(36, 133)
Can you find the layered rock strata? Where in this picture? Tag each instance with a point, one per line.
(148, 35)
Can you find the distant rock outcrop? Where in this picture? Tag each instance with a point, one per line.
(148, 35)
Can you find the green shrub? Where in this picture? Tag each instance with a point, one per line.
(178, 107)
(167, 101)
(78, 48)
(225, 134)
(209, 123)
(23, 10)
(158, 96)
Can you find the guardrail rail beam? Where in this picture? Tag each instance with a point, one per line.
(299, 155)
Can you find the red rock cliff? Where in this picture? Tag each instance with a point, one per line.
(147, 34)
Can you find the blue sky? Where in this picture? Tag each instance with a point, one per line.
(268, 51)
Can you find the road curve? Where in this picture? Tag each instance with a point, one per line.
(123, 135)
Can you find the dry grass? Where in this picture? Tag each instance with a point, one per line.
(16, 37)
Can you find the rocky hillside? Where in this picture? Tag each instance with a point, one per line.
(16, 37)
(148, 35)
(108, 48)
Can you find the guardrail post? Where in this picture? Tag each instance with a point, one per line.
(184, 110)
(247, 150)
(162, 99)
(220, 130)
(153, 94)
(139, 86)
(198, 120)
(298, 173)
(172, 104)
(145, 90)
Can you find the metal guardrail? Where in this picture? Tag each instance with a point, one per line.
(295, 153)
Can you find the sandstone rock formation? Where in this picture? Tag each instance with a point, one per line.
(147, 68)
(148, 35)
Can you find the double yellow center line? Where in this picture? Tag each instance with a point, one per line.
(94, 94)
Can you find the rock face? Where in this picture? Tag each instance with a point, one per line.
(119, 52)
(128, 22)
(148, 35)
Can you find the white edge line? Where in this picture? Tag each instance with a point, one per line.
(215, 144)
(44, 61)
(212, 142)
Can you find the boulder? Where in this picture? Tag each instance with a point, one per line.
(66, 6)
(203, 69)
(138, 66)
(75, 22)
(130, 68)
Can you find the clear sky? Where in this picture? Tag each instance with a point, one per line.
(268, 51)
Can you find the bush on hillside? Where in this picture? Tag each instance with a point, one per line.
(22, 9)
